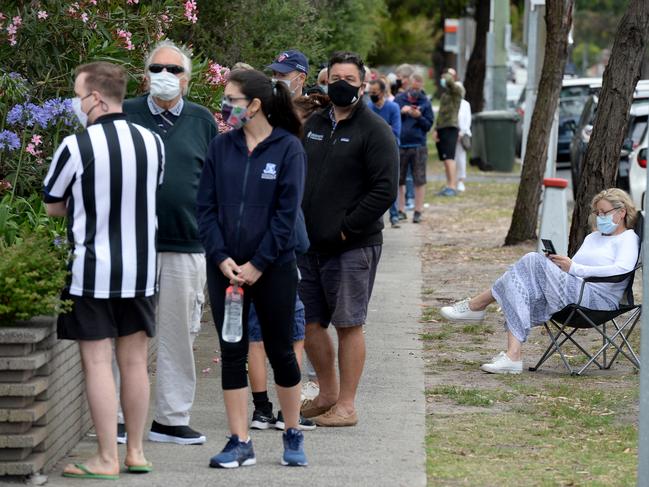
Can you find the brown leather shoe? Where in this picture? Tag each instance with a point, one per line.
(309, 408)
(333, 418)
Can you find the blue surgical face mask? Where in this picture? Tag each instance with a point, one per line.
(442, 82)
(605, 224)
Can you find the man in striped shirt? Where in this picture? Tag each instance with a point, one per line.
(105, 180)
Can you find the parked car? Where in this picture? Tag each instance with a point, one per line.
(638, 172)
(573, 96)
(584, 128)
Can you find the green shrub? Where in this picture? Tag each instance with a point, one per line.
(23, 216)
(32, 274)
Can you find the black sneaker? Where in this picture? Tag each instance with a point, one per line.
(262, 420)
(121, 434)
(304, 424)
(182, 435)
(402, 216)
(416, 217)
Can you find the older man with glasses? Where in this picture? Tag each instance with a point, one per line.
(186, 130)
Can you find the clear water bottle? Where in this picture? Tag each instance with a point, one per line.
(232, 322)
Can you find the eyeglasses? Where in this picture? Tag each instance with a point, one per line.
(604, 213)
(229, 99)
(171, 68)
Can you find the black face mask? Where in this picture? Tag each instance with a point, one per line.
(375, 98)
(342, 94)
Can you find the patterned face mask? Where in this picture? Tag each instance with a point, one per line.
(234, 115)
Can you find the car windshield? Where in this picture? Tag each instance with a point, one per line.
(575, 92)
(571, 107)
(638, 128)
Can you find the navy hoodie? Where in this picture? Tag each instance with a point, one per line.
(248, 203)
(414, 130)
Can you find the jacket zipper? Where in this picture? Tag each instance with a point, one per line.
(242, 205)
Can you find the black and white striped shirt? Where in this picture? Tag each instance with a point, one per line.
(109, 175)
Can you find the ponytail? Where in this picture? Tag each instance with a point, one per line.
(282, 112)
(276, 103)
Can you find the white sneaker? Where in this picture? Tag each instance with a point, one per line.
(460, 187)
(310, 390)
(502, 364)
(460, 312)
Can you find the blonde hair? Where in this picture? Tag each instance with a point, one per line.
(618, 199)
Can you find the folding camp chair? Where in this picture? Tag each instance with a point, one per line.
(615, 335)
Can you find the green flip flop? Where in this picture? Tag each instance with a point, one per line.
(87, 474)
(146, 468)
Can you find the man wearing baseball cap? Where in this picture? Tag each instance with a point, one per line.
(291, 68)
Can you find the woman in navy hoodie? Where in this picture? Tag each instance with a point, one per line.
(248, 201)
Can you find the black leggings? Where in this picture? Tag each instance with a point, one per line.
(274, 298)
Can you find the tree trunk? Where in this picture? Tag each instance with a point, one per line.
(603, 152)
(558, 19)
(477, 65)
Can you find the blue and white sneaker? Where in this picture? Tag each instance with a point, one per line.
(235, 454)
(294, 449)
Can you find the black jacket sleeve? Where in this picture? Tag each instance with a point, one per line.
(382, 163)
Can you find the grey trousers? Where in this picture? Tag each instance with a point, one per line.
(180, 306)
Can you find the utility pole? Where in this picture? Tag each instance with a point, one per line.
(535, 37)
(643, 436)
(497, 44)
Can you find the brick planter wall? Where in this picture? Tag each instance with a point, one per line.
(43, 408)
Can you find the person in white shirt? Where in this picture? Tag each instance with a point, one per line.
(536, 287)
(464, 123)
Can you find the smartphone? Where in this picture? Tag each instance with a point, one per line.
(548, 247)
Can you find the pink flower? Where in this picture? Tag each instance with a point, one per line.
(11, 29)
(42, 14)
(125, 36)
(2, 16)
(132, 2)
(31, 149)
(217, 75)
(37, 139)
(84, 17)
(191, 11)
(4, 185)
(17, 20)
(93, 2)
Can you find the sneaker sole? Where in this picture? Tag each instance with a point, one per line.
(260, 425)
(501, 371)
(121, 440)
(294, 464)
(281, 426)
(452, 318)
(246, 463)
(162, 438)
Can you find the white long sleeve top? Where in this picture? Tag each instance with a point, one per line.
(606, 255)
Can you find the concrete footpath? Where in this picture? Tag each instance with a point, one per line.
(386, 448)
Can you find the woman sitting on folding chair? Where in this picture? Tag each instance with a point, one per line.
(537, 286)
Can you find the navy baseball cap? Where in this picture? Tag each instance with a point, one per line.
(291, 60)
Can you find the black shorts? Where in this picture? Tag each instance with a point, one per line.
(416, 158)
(336, 289)
(447, 142)
(96, 319)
